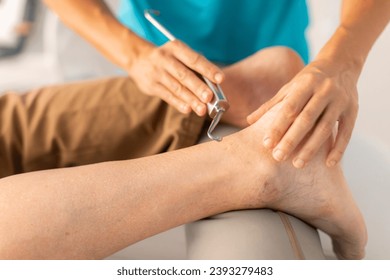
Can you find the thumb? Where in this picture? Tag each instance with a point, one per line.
(254, 116)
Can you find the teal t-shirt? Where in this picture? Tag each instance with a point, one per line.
(225, 31)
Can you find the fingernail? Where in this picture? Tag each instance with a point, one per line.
(299, 163)
(199, 109)
(218, 77)
(331, 163)
(267, 142)
(206, 96)
(186, 108)
(278, 155)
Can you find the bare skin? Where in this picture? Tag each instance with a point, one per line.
(251, 83)
(319, 97)
(256, 79)
(319, 196)
(324, 93)
(166, 71)
(92, 211)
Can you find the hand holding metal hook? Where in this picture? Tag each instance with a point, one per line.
(219, 103)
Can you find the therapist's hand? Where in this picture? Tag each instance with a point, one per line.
(167, 72)
(318, 98)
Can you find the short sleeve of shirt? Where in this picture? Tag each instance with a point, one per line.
(225, 31)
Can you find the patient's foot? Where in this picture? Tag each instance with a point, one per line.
(317, 194)
(253, 81)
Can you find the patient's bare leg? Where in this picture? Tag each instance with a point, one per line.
(95, 210)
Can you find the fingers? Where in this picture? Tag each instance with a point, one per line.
(169, 72)
(291, 108)
(182, 65)
(182, 93)
(322, 131)
(302, 125)
(197, 62)
(344, 134)
(168, 97)
(256, 115)
(309, 107)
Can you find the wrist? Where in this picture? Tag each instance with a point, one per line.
(130, 49)
(344, 50)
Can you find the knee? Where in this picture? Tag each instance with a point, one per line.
(286, 61)
(290, 59)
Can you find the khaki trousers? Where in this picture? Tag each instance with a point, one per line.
(88, 122)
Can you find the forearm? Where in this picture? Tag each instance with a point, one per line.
(94, 21)
(360, 25)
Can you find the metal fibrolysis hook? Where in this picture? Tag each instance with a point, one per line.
(213, 124)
